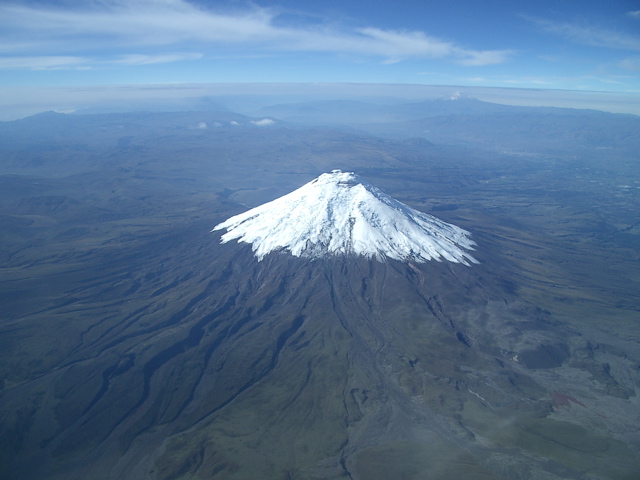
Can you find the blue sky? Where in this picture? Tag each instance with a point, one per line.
(576, 45)
(573, 45)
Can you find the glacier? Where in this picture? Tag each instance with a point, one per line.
(340, 214)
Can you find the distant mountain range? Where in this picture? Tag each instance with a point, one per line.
(457, 121)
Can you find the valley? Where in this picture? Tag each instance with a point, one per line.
(135, 345)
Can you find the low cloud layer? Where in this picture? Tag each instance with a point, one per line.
(51, 62)
(18, 102)
(265, 122)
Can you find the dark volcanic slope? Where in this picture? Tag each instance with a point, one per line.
(134, 345)
(225, 365)
(294, 369)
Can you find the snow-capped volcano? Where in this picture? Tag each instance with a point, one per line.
(338, 213)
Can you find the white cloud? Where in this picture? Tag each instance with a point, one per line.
(67, 62)
(589, 35)
(635, 14)
(487, 57)
(263, 123)
(43, 63)
(527, 81)
(399, 44)
(140, 59)
(631, 63)
(100, 25)
(147, 22)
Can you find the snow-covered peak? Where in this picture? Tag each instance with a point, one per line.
(340, 214)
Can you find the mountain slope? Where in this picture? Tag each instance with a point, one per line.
(135, 345)
(286, 368)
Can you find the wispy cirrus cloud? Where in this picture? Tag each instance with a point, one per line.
(98, 26)
(631, 63)
(590, 35)
(61, 62)
(486, 57)
(634, 14)
(52, 62)
(141, 59)
(396, 44)
(137, 23)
